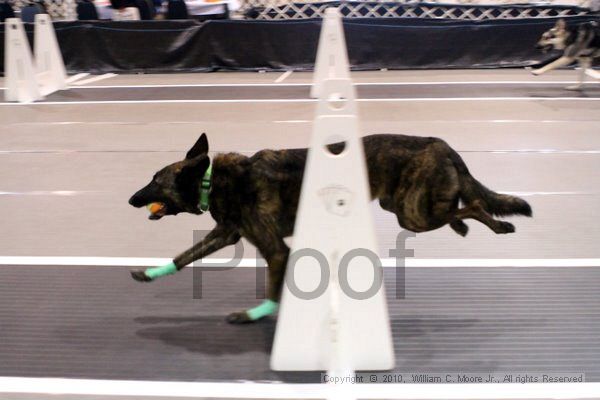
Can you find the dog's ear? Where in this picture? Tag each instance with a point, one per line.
(561, 24)
(200, 147)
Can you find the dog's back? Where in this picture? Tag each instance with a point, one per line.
(420, 179)
(584, 41)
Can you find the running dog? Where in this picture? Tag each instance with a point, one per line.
(581, 44)
(422, 180)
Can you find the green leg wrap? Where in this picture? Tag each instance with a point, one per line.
(157, 272)
(267, 307)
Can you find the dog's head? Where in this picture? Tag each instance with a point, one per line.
(176, 187)
(554, 38)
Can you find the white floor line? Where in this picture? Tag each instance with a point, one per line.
(485, 99)
(425, 83)
(306, 121)
(94, 79)
(512, 121)
(526, 194)
(283, 76)
(415, 99)
(479, 391)
(540, 151)
(50, 192)
(252, 262)
(84, 192)
(77, 77)
(400, 83)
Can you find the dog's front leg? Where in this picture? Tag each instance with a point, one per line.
(218, 238)
(276, 253)
(561, 62)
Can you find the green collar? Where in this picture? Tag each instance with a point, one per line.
(205, 187)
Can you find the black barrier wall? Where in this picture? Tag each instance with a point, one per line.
(373, 43)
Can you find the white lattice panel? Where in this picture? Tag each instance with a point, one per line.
(58, 9)
(286, 9)
(449, 9)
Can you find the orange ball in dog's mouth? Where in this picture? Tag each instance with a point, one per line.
(157, 210)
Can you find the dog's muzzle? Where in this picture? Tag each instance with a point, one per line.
(137, 201)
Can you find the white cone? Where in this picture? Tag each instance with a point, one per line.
(332, 57)
(336, 331)
(21, 83)
(50, 68)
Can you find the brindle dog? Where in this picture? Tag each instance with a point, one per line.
(422, 180)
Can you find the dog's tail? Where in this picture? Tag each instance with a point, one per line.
(494, 203)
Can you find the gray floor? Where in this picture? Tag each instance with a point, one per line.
(67, 170)
(298, 91)
(97, 323)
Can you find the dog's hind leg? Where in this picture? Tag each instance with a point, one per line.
(592, 73)
(476, 211)
(584, 64)
(459, 227)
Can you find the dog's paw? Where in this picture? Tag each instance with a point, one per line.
(535, 72)
(459, 227)
(140, 276)
(574, 87)
(237, 318)
(504, 227)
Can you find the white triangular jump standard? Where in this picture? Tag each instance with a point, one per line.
(21, 82)
(31, 78)
(337, 331)
(50, 68)
(332, 57)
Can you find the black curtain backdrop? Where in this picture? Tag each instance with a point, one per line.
(373, 43)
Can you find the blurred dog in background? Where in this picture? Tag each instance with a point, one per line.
(581, 44)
